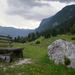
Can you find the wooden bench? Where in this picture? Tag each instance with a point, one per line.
(7, 52)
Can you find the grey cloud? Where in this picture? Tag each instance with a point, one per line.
(24, 8)
(24, 3)
(60, 0)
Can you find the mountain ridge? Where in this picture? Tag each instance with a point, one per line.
(14, 32)
(64, 14)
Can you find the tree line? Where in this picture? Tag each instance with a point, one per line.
(66, 27)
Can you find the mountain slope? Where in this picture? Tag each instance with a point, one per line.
(66, 27)
(63, 15)
(14, 32)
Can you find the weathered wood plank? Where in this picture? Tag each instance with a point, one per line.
(5, 45)
(5, 42)
(6, 52)
(8, 39)
(5, 36)
(11, 49)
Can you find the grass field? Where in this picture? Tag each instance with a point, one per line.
(41, 65)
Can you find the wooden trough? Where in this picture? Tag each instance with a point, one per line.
(7, 52)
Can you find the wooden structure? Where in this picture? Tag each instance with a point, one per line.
(7, 52)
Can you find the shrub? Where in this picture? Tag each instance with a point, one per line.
(37, 42)
(73, 38)
(66, 61)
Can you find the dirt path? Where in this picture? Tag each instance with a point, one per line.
(19, 62)
(22, 61)
(25, 61)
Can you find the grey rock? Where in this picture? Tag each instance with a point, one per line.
(8, 59)
(5, 58)
(60, 48)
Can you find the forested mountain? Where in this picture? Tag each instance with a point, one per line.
(63, 16)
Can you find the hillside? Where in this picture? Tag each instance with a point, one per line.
(41, 65)
(66, 13)
(14, 32)
(66, 27)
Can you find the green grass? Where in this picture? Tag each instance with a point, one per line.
(41, 65)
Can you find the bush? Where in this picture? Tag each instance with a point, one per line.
(37, 42)
(73, 38)
(66, 61)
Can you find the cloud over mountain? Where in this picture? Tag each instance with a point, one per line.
(28, 13)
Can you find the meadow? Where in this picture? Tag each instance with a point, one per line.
(41, 64)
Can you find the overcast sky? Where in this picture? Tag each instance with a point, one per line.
(28, 14)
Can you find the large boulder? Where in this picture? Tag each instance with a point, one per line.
(60, 49)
